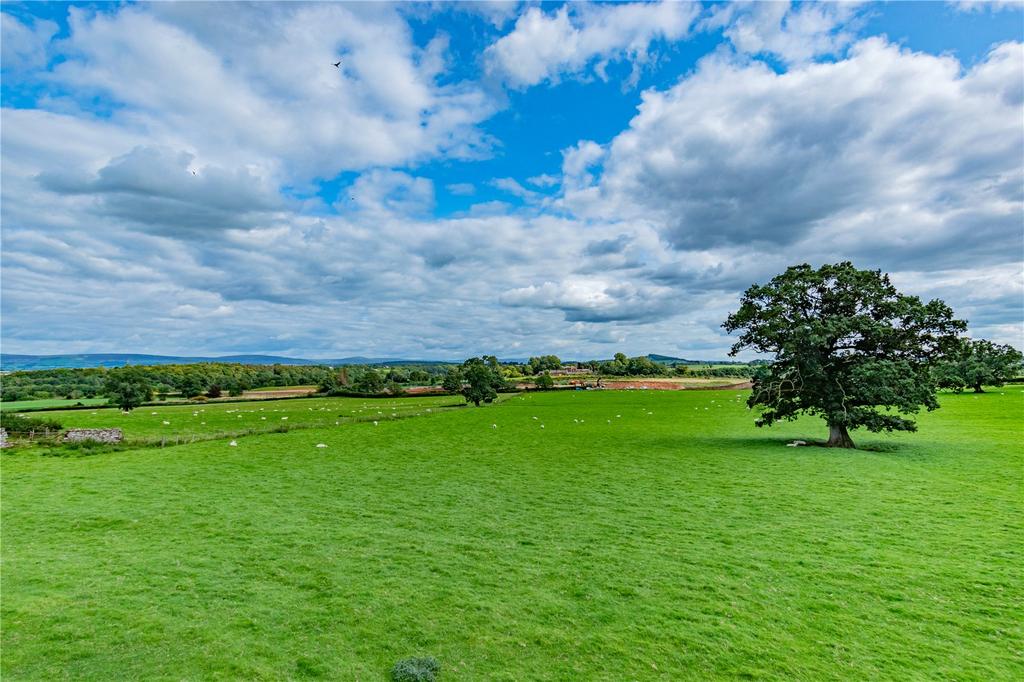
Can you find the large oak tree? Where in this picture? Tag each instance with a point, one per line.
(847, 347)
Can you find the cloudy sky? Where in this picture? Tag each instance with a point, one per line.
(494, 177)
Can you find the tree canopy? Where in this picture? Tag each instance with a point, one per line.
(543, 363)
(620, 365)
(979, 363)
(194, 379)
(483, 379)
(452, 382)
(545, 381)
(127, 388)
(847, 347)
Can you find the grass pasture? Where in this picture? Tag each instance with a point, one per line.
(16, 405)
(213, 419)
(637, 535)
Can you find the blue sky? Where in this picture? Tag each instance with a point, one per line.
(513, 178)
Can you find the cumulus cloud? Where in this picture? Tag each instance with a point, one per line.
(591, 299)
(579, 162)
(309, 208)
(543, 180)
(462, 189)
(391, 191)
(497, 12)
(985, 5)
(573, 38)
(512, 186)
(24, 45)
(888, 150)
(193, 77)
(792, 34)
(159, 189)
(604, 247)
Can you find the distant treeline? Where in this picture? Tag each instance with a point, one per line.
(215, 379)
(189, 380)
(644, 366)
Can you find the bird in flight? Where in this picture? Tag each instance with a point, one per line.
(193, 172)
(337, 64)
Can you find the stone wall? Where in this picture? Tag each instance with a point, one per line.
(99, 435)
(3, 438)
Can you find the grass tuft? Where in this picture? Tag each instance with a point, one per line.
(416, 669)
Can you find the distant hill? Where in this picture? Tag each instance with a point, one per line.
(10, 362)
(669, 360)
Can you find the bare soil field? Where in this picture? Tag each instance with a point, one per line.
(271, 393)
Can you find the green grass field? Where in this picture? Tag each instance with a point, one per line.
(15, 405)
(637, 535)
(204, 420)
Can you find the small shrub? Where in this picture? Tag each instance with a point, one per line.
(416, 669)
(23, 424)
(82, 448)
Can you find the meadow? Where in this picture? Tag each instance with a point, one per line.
(185, 421)
(616, 535)
(15, 405)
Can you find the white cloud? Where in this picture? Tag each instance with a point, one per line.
(190, 311)
(512, 186)
(543, 46)
(159, 189)
(985, 5)
(387, 191)
(193, 78)
(578, 162)
(24, 45)
(462, 189)
(887, 150)
(594, 299)
(896, 159)
(497, 12)
(899, 160)
(794, 35)
(543, 180)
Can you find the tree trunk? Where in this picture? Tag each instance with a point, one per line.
(977, 388)
(839, 437)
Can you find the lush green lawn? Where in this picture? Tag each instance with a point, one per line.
(206, 419)
(15, 405)
(672, 542)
